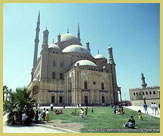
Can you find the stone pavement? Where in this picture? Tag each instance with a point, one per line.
(32, 129)
(136, 108)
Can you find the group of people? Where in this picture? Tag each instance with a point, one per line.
(155, 108)
(58, 112)
(119, 111)
(44, 115)
(83, 112)
(38, 116)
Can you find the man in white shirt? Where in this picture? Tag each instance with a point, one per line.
(153, 108)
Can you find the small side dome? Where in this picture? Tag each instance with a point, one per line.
(84, 63)
(76, 48)
(54, 46)
(99, 56)
(35, 79)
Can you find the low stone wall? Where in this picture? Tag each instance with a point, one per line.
(141, 102)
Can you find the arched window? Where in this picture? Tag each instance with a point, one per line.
(103, 99)
(134, 93)
(154, 92)
(150, 92)
(146, 93)
(85, 85)
(60, 99)
(102, 86)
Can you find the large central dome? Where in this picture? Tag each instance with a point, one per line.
(76, 48)
(69, 38)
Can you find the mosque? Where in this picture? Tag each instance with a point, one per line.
(66, 73)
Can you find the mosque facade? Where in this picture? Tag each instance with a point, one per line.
(66, 73)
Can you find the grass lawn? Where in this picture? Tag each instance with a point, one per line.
(103, 118)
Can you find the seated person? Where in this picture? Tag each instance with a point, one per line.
(129, 124)
(60, 112)
(140, 115)
(56, 111)
(118, 112)
(132, 120)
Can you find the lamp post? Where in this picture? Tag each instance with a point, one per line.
(144, 98)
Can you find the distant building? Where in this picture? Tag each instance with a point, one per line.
(144, 94)
(66, 73)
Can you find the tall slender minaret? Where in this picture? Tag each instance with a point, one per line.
(111, 59)
(78, 32)
(36, 40)
(144, 85)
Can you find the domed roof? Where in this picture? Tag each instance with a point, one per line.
(69, 38)
(76, 48)
(54, 46)
(99, 56)
(35, 79)
(85, 63)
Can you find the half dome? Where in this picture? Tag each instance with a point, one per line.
(76, 48)
(54, 46)
(85, 63)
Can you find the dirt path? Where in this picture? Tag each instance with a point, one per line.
(71, 126)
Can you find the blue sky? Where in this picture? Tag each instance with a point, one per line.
(133, 30)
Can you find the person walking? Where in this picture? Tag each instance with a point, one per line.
(51, 105)
(145, 108)
(47, 115)
(43, 114)
(153, 108)
(156, 108)
(81, 113)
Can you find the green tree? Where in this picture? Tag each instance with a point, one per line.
(19, 101)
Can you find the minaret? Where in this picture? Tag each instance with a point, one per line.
(113, 71)
(36, 40)
(45, 39)
(88, 46)
(78, 32)
(144, 85)
(111, 60)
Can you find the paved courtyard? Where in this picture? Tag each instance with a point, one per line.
(32, 129)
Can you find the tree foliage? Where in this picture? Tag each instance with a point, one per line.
(19, 101)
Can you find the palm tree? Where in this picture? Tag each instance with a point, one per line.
(4, 91)
(19, 101)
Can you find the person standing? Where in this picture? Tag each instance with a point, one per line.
(156, 108)
(51, 105)
(152, 107)
(36, 116)
(81, 113)
(145, 108)
(24, 116)
(115, 109)
(39, 117)
(47, 115)
(43, 113)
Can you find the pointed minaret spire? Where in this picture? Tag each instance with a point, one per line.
(36, 40)
(67, 30)
(53, 41)
(78, 32)
(98, 52)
